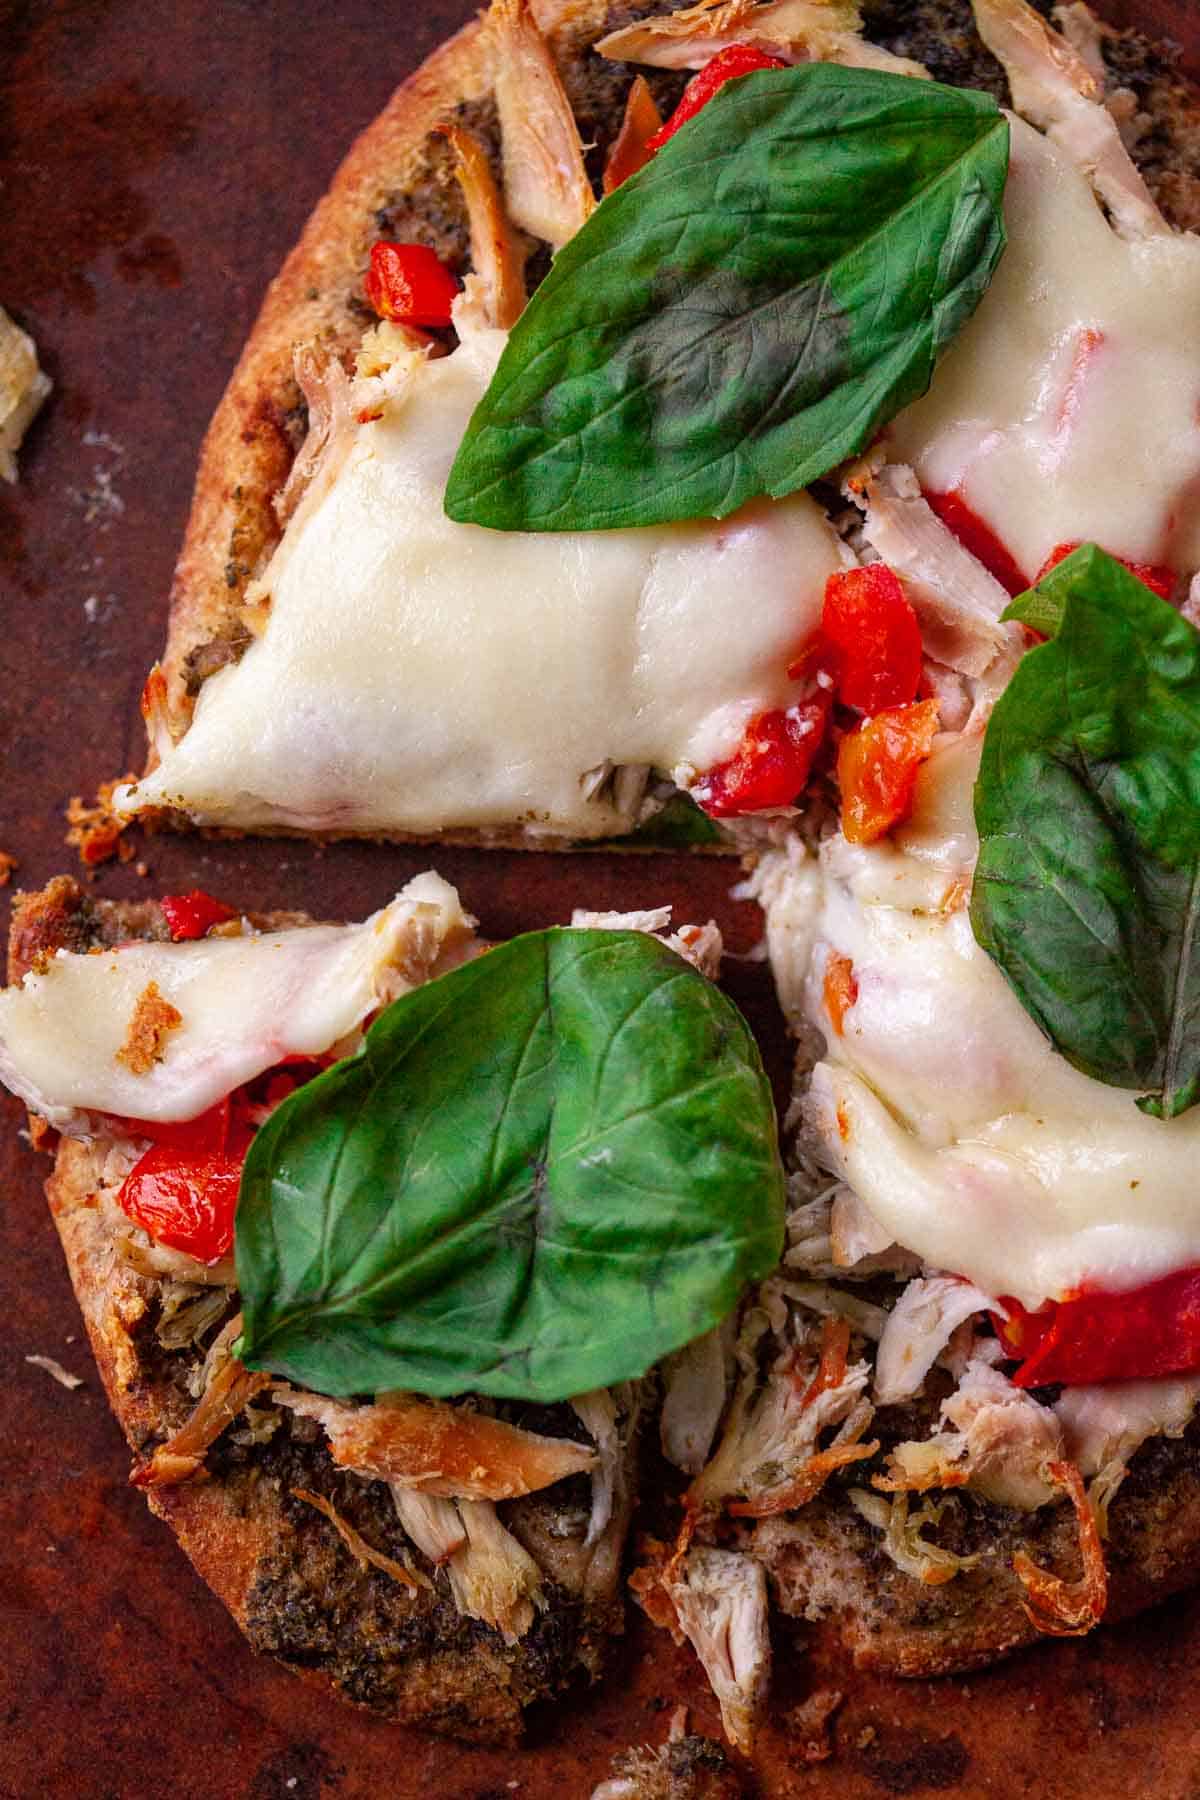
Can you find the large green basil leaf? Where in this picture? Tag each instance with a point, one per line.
(747, 310)
(1087, 890)
(546, 1170)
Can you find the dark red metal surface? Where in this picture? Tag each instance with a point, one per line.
(155, 165)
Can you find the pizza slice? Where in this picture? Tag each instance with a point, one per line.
(353, 650)
(441, 1559)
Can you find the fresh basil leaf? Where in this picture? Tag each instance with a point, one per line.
(1087, 889)
(747, 310)
(1042, 607)
(544, 1171)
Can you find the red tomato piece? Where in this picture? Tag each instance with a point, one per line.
(977, 536)
(726, 65)
(407, 282)
(771, 764)
(1157, 577)
(875, 640)
(1144, 1334)
(193, 915)
(877, 768)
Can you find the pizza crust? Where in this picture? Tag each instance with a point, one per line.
(278, 1566)
(259, 424)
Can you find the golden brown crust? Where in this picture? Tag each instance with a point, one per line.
(280, 1568)
(255, 431)
(229, 1543)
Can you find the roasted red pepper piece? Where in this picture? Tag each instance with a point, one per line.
(877, 768)
(185, 1202)
(408, 283)
(1157, 577)
(872, 641)
(771, 764)
(726, 65)
(1144, 1334)
(184, 1190)
(977, 536)
(193, 915)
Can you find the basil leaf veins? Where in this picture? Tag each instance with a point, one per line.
(748, 309)
(544, 1171)
(1087, 889)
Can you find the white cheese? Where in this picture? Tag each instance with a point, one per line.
(245, 1003)
(1069, 407)
(969, 1139)
(415, 674)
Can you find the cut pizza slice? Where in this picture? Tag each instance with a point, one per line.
(345, 657)
(511, 1179)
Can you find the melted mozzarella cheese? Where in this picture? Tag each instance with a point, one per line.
(416, 674)
(942, 1104)
(1069, 407)
(245, 1003)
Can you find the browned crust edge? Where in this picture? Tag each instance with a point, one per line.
(247, 454)
(477, 1694)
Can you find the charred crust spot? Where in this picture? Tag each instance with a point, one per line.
(907, 1762)
(63, 916)
(204, 659)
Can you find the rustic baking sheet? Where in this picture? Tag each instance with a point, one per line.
(155, 165)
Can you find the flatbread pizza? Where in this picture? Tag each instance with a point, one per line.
(822, 578)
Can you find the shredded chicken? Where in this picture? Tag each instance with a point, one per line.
(770, 1457)
(545, 183)
(830, 1302)
(188, 1312)
(492, 1577)
(598, 1411)
(227, 1386)
(700, 945)
(999, 1445)
(1057, 1607)
(903, 1543)
(363, 1553)
(1104, 1426)
(807, 30)
(1054, 88)
(695, 1386)
(496, 257)
(956, 600)
(327, 394)
(435, 1526)
(919, 1327)
(450, 1452)
(854, 1235)
(630, 150)
(720, 1601)
(160, 1263)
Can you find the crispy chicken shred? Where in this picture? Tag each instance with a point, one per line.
(449, 1452)
(545, 182)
